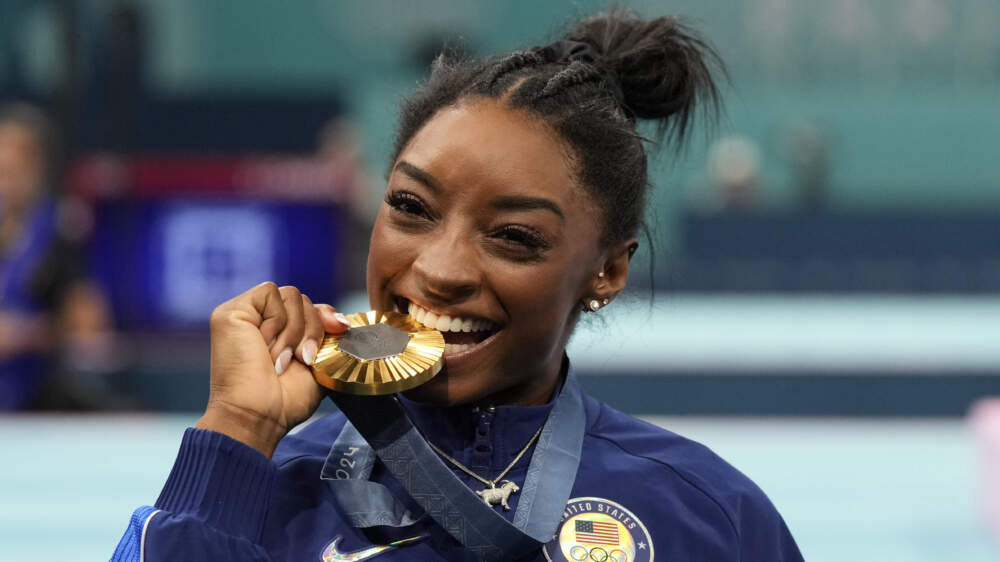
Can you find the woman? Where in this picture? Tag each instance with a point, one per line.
(28, 234)
(516, 190)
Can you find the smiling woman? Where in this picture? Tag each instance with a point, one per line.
(484, 220)
(515, 192)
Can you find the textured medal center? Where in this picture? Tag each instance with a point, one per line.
(375, 341)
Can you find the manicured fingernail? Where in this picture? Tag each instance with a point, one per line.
(309, 352)
(283, 360)
(342, 319)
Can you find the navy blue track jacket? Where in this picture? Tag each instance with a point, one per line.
(641, 493)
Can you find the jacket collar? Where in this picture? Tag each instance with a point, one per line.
(459, 429)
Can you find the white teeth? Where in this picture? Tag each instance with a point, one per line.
(456, 347)
(445, 323)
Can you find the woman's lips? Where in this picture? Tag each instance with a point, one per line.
(454, 353)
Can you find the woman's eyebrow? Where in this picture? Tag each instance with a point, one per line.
(419, 175)
(522, 202)
(503, 202)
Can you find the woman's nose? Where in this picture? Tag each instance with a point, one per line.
(446, 270)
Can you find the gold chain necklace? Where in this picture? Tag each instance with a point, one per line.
(493, 495)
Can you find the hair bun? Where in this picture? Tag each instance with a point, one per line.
(662, 66)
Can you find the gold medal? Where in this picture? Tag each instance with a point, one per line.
(382, 353)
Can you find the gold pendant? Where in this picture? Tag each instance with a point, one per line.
(499, 496)
(383, 352)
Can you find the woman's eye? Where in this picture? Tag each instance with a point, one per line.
(406, 203)
(522, 236)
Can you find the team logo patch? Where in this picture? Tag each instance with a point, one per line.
(599, 530)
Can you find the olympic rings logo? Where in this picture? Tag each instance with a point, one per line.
(597, 554)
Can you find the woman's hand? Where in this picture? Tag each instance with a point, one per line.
(262, 344)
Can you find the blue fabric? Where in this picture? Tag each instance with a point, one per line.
(129, 548)
(20, 380)
(21, 375)
(366, 504)
(553, 467)
(350, 458)
(220, 481)
(675, 495)
(543, 494)
(19, 265)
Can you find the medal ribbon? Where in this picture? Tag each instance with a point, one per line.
(383, 423)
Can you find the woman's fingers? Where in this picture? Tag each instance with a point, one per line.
(265, 301)
(333, 322)
(291, 326)
(289, 338)
(301, 392)
(313, 335)
(266, 330)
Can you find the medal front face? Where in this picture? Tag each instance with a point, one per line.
(375, 341)
(381, 353)
(599, 530)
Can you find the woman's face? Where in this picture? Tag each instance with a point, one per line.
(484, 223)
(21, 170)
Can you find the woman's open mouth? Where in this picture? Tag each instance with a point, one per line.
(462, 335)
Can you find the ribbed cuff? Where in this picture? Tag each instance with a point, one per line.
(221, 481)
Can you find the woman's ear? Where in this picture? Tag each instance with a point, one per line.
(615, 272)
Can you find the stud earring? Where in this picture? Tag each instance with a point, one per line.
(601, 274)
(604, 302)
(594, 305)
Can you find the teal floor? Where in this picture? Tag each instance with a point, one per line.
(850, 490)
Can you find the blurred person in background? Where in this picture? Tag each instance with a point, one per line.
(46, 303)
(734, 170)
(806, 146)
(27, 232)
(517, 187)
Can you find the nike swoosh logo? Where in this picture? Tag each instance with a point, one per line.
(330, 553)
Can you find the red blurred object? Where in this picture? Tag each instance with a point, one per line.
(274, 177)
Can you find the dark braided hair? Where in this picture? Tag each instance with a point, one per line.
(590, 87)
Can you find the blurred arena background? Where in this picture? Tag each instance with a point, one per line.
(826, 275)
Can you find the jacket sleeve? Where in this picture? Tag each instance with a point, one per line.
(764, 535)
(212, 507)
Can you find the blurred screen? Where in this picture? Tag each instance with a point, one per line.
(166, 263)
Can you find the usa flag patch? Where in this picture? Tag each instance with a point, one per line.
(599, 530)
